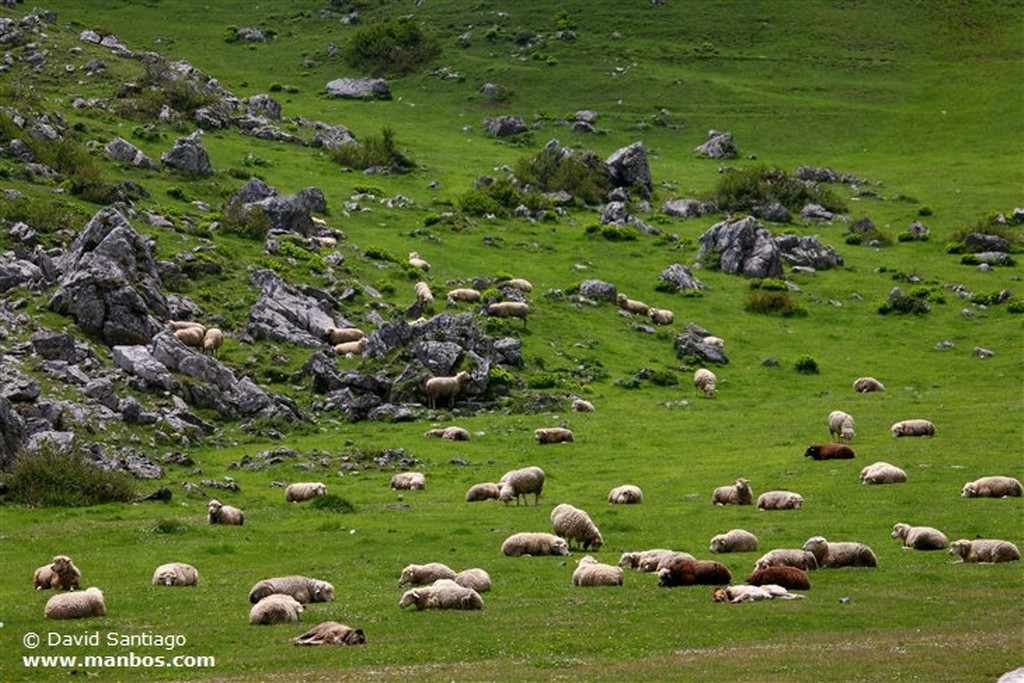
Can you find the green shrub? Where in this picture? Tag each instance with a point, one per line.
(552, 170)
(712, 260)
(171, 526)
(45, 215)
(664, 378)
(393, 47)
(772, 302)
(1015, 305)
(806, 365)
(500, 198)
(907, 237)
(613, 233)
(500, 377)
(332, 503)
(769, 284)
(52, 477)
(745, 189)
(903, 303)
(378, 254)
(249, 223)
(543, 381)
(373, 151)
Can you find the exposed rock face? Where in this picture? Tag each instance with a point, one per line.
(12, 432)
(681, 278)
(627, 167)
(290, 213)
(505, 126)
(718, 146)
(189, 156)
(599, 290)
(294, 315)
(17, 272)
(691, 343)
(746, 248)
(264, 105)
(359, 88)
(688, 208)
(120, 149)
(618, 214)
(808, 251)
(980, 241)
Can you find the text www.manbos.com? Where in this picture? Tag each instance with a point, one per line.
(128, 661)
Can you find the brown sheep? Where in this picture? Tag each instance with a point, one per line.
(331, 633)
(787, 577)
(829, 451)
(60, 573)
(694, 572)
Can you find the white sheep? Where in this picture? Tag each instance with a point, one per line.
(175, 574)
(218, 513)
(61, 573)
(580, 405)
(424, 297)
(912, 428)
(416, 262)
(352, 348)
(175, 325)
(627, 494)
(733, 541)
(509, 309)
(574, 524)
(986, 550)
(482, 491)
(553, 435)
(864, 385)
(882, 473)
(716, 342)
(212, 341)
(515, 484)
(840, 426)
(475, 578)
(840, 554)
(738, 493)
(302, 588)
(704, 380)
(445, 387)
(632, 305)
(409, 481)
(425, 574)
(464, 295)
(787, 557)
(331, 633)
(992, 487)
(276, 609)
(534, 543)
(919, 537)
(661, 316)
(304, 490)
(779, 500)
(590, 572)
(76, 605)
(191, 336)
(518, 283)
(745, 593)
(442, 594)
(452, 433)
(342, 335)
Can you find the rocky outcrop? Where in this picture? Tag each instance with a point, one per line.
(291, 314)
(359, 88)
(718, 146)
(680, 277)
(505, 126)
(807, 251)
(12, 433)
(598, 290)
(690, 344)
(120, 149)
(743, 247)
(688, 208)
(627, 167)
(189, 156)
(289, 213)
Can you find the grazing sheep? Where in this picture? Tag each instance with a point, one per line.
(840, 426)
(912, 428)
(76, 605)
(984, 550)
(791, 578)
(693, 573)
(574, 524)
(779, 500)
(829, 451)
(840, 554)
(331, 633)
(716, 342)
(737, 493)
(864, 385)
(175, 325)
(343, 335)
(553, 435)
(212, 341)
(704, 380)
(352, 348)
(275, 609)
(302, 588)
(632, 305)
(919, 537)
(218, 513)
(476, 578)
(445, 387)
(518, 283)
(191, 336)
(416, 262)
(787, 557)
(509, 309)
(409, 481)
(465, 295)
(992, 487)
(424, 297)
(590, 572)
(482, 491)
(627, 494)
(452, 433)
(175, 574)
(733, 541)
(580, 405)
(442, 594)
(534, 543)
(646, 560)
(305, 490)
(738, 594)
(425, 574)
(882, 473)
(518, 483)
(61, 573)
(661, 316)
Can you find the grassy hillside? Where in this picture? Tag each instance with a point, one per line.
(921, 100)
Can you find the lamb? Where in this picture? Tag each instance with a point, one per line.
(829, 451)
(737, 493)
(60, 573)
(738, 594)
(476, 578)
(840, 426)
(984, 550)
(424, 297)
(919, 537)
(661, 316)
(409, 481)
(882, 473)
(580, 405)
(733, 541)
(519, 284)
(352, 348)
(553, 435)
(779, 500)
(840, 554)
(509, 309)
(218, 513)
(77, 605)
(912, 428)
(864, 385)
(452, 433)
(445, 387)
(705, 381)
(175, 574)
(416, 262)
(992, 487)
(342, 335)
(787, 557)
(590, 572)
(331, 633)
(443, 594)
(791, 578)
(425, 574)
(212, 341)
(520, 482)
(305, 490)
(302, 588)
(646, 560)
(632, 305)
(482, 491)
(191, 336)
(693, 573)
(534, 543)
(627, 494)
(574, 524)
(275, 609)
(464, 294)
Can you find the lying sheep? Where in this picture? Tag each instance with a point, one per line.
(191, 336)
(452, 433)
(864, 385)
(882, 473)
(716, 342)
(424, 297)
(779, 500)
(519, 284)
(61, 574)
(175, 574)
(792, 578)
(302, 588)
(218, 513)
(738, 594)
(704, 380)
(645, 560)
(650, 566)
(275, 609)
(331, 633)
(445, 387)
(912, 428)
(840, 426)
(303, 491)
(509, 309)
(443, 594)
(733, 541)
(661, 316)
(694, 573)
(632, 305)
(212, 341)
(580, 405)
(590, 572)
(534, 543)
(983, 550)
(476, 578)
(919, 537)
(992, 487)
(416, 262)
(464, 294)
(829, 451)
(482, 491)
(352, 348)
(574, 524)
(409, 481)
(553, 435)
(76, 605)
(425, 574)
(787, 557)
(738, 493)
(343, 335)
(840, 554)
(518, 483)
(627, 494)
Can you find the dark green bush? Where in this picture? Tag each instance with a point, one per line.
(664, 378)
(373, 151)
(745, 189)
(543, 381)
(903, 303)
(378, 254)
(806, 365)
(250, 223)
(499, 198)
(52, 477)
(45, 215)
(769, 284)
(613, 233)
(332, 503)
(171, 526)
(393, 47)
(1015, 306)
(552, 170)
(770, 302)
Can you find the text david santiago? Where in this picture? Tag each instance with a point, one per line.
(115, 639)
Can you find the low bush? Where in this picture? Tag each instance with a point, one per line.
(806, 365)
(332, 503)
(771, 302)
(373, 151)
(554, 170)
(746, 189)
(393, 47)
(52, 477)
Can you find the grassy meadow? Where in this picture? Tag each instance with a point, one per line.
(921, 99)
